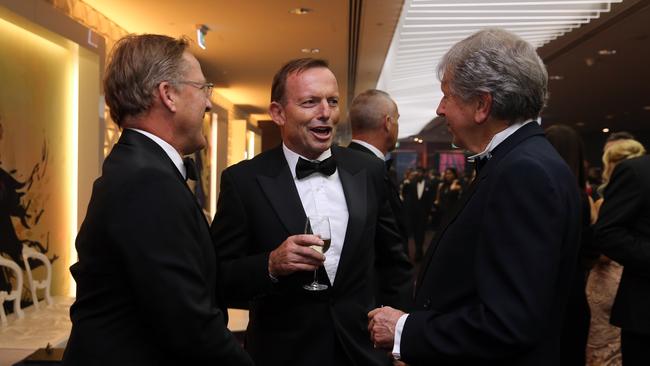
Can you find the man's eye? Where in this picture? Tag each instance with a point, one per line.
(309, 103)
(333, 102)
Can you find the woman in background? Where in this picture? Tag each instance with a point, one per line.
(604, 343)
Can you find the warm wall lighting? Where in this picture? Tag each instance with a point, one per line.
(74, 165)
(213, 163)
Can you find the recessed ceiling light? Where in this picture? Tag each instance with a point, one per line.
(310, 50)
(300, 11)
(609, 116)
(556, 77)
(590, 61)
(646, 108)
(580, 124)
(605, 130)
(607, 52)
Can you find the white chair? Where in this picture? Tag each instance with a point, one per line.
(14, 295)
(34, 284)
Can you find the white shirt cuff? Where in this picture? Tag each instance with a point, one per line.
(398, 336)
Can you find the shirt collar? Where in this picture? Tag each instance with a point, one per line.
(498, 139)
(372, 148)
(169, 150)
(292, 158)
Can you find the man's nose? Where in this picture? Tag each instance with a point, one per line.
(325, 111)
(441, 109)
(208, 105)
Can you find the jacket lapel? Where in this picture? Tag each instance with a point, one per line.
(280, 189)
(354, 189)
(526, 131)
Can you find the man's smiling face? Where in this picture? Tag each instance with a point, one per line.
(310, 112)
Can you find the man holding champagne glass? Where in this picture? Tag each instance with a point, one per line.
(298, 316)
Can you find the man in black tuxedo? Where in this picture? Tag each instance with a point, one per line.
(494, 283)
(622, 232)
(419, 194)
(147, 290)
(374, 120)
(260, 221)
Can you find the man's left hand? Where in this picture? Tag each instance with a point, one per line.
(381, 325)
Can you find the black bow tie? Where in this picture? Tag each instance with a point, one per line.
(190, 169)
(305, 168)
(480, 163)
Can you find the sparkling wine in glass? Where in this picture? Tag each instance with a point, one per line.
(319, 226)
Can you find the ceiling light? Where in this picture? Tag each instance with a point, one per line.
(605, 130)
(607, 52)
(580, 124)
(556, 77)
(609, 116)
(300, 11)
(310, 50)
(646, 108)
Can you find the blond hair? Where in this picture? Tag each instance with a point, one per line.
(619, 151)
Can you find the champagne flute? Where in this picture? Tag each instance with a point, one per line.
(319, 226)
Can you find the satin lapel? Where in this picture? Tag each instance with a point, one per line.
(354, 188)
(457, 210)
(282, 194)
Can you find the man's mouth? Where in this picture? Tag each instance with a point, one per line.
(322, 132)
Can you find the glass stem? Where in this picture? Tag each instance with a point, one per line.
(315, 276)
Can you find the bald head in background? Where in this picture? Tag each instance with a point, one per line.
(373, 117)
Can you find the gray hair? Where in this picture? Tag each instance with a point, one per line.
(137, 65)
(498, 62)
(368, 110)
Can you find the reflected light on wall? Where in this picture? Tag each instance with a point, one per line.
(73, 153)
(213, 164)
(250, 146)
(236, 141)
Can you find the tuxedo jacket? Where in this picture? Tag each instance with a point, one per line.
(623, 234)
(392, 191)
(493, 284)
(146, 277)
(419, 208)
(258, 208)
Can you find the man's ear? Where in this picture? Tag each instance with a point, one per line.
(276, 110)
(167, 95)
(387, 122)
(483, 107)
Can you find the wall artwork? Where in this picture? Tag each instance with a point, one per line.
(37, 105)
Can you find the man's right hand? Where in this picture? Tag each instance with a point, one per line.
(295, 254)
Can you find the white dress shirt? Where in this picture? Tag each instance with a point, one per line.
(169, 150)
(323, 196)
(494, 142)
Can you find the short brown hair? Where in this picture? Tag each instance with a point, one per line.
(138, 64)
(294, 66)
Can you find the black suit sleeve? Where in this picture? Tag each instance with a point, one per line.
(614, 232)
(157, 231)
(516, 272)
(245, 273)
